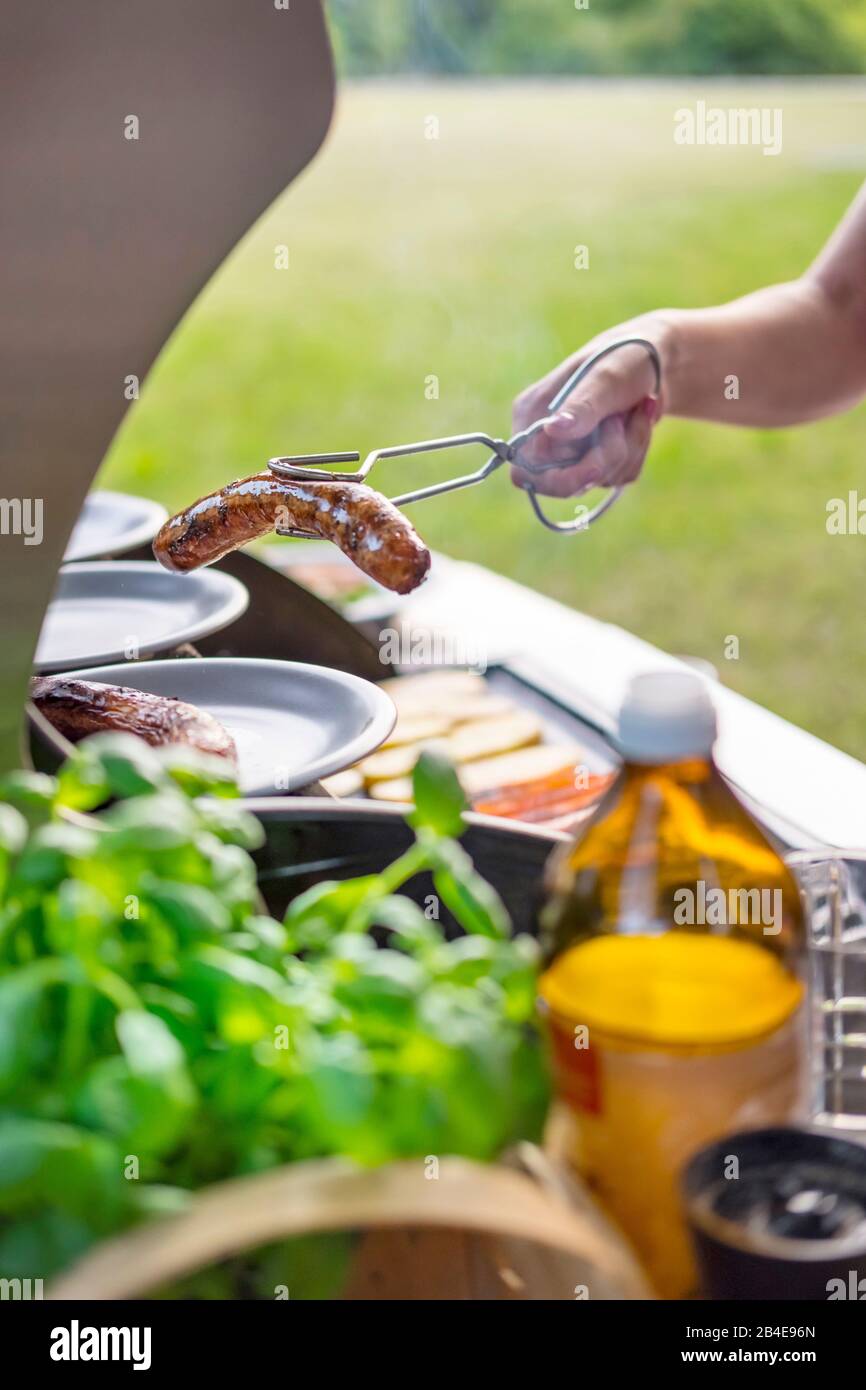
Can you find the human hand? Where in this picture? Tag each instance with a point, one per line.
(599, 435)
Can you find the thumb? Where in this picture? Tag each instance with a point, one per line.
(615, 386)
(575, 419)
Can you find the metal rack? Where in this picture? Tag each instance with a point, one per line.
(833, 888)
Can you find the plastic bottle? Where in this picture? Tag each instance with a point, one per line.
(674, 956)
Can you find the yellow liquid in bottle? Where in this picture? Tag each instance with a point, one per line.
(674, 944)
(663, 1043)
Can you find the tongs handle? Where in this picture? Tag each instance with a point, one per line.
(585, 520)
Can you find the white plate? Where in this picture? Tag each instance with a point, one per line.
(108, 610)
(292, 723)
(111, 523)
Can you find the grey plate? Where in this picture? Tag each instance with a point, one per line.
(107, 609)
(111, 523)
(291, 723)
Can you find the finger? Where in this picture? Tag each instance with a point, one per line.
(534, 402)
(601, 463)
(638, 432)
(617, 460)
(609, 457)
(615, 385)
(528, 407)
(540, 453)
(548, 457)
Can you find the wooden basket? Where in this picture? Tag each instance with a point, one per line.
(523, 1229)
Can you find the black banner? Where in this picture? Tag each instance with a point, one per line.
(83, 1339)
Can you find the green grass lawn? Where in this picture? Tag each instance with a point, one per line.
(412, 257)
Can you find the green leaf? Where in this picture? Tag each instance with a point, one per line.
(45, 860)
(29, 791)
(21, 997)
(44, 1163)
(199, 774)
(510, 966)
(326, 908)
(439, 798)
(192, 911)
(231, 870)
(150, 823)
(410, 929)
(240, 968)
(271, 934)
(339, 1090)
(146, 1113)
(384, 990)
(82, 783)
(475, 905)
(13, 829)
(76, 917)
(129, 765)
(48, 1240)
(231, 823)
(13, 836)
(145, 1097)
(149, 1046)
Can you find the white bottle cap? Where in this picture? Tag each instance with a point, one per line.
(665, 716)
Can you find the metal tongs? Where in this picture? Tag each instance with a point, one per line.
(301, 466)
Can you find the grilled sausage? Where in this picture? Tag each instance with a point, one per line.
(366, 526)
(78, 708)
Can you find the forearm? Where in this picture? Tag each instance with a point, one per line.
(787, 354)
(784, 355)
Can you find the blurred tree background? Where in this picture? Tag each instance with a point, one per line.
(454, 257)
(625, 37)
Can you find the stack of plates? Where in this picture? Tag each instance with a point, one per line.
(292, 723)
